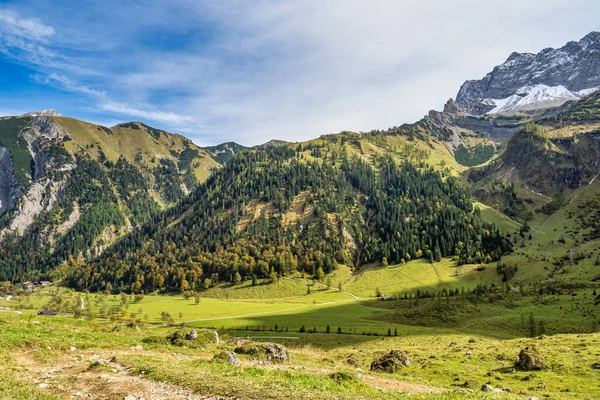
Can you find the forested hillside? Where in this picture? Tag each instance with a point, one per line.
(69, 188)
(275, 210)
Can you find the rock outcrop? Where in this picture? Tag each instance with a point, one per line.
(392, 362)
(530, 359)
(574, 67)
(229, 357)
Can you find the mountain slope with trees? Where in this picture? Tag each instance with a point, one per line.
(276, 210)
(69, 188)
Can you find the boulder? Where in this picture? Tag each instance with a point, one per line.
(530, 359)
(229, 357)
(271, 351)
(192, 339)
(276, 351)
(391, 362)
(596, 365)
(491, 389)
(237, 342)
(472, 341)
(191, 335)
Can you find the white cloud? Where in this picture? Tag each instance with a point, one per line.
(154, 115)
(281, 69)
(301, 69)
(25, 27)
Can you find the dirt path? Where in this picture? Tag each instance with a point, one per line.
(70, 377)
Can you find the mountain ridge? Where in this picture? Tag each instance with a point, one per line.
(575, 66)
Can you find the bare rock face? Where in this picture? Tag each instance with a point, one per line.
(44, 191)
(576, 66)
(530, 82)
(41, 132)
(530, 359)
(40, 196)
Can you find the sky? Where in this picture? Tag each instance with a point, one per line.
(251, 71)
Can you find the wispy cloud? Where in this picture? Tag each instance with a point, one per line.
(68, 84)
(161, 116)
(28, 28)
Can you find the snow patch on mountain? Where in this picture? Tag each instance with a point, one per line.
(535, 97)
(585, 92)
(43, 113)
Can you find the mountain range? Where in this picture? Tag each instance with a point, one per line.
(136, 208)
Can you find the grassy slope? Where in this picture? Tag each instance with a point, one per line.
(129, 142)
(417, 274)
(569, 357)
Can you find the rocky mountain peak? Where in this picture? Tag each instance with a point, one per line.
(43, 113)
(528, 81)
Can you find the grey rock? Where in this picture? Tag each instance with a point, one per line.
(488, 388)
(229, 357)
(531, 359)
(575, 66)
(191, 335)
(276, 351)
(494, 128)
(391, 362)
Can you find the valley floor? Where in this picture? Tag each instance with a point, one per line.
(65, 357)
(117, 345)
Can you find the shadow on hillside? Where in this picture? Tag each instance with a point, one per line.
(356, 322)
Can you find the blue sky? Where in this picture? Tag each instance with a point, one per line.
(250, 71)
